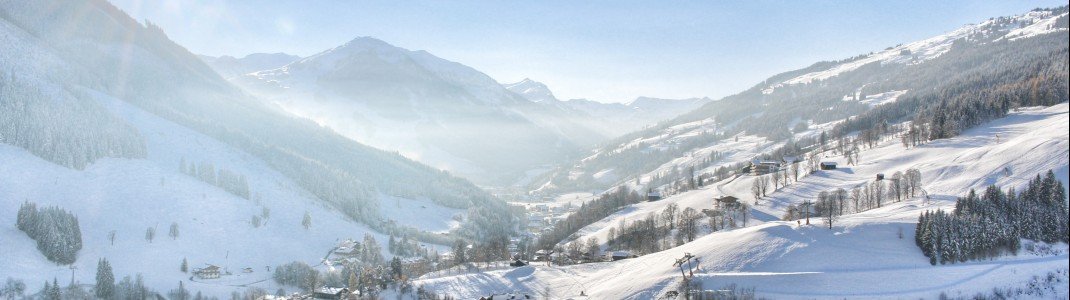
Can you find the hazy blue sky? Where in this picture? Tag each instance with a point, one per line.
(600, 50)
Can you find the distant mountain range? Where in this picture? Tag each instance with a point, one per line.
(230, 67)
(439, 112)
(610, 118)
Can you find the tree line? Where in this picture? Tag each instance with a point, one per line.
(230, 181)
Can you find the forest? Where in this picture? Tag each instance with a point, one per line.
(994, 223)
(56, 231)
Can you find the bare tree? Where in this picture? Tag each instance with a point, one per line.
(856, 196)
(756, 189)
(688, 223)
(776, 180)
(150, 234)
(795, 171)
(669, 215)
(763, 183)
(896, 185)
(173, 233)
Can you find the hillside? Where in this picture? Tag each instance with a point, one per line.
(108, 119)
(949, 82)
(781, 259)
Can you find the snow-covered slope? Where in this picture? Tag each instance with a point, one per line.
(857, 258)
(182, 111)
(128, 196)
(1016, 27)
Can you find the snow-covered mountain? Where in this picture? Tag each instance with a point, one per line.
(230, 67)
(108, 119)
(429, 109)
(612, 119)
(833, 96)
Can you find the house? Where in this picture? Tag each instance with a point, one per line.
(617, 255)
(880, 176)
(330, 293)
(828, 165)
(209, 272)
(724, 202)
(762, 167)
(653, 196)
(543, 255)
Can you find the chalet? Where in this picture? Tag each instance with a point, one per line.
(617, 255)
(724, 202)
(330, 293)
(543, 255)
(880, 176)
(209, 272)
(762, 167)
(653, 196)
(828, 165)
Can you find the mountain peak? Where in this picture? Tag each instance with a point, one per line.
(532, 90)
(367, 43)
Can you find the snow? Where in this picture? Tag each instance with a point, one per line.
(1045, 25)
(857, 259)
(422, 214)
(129, 195)
(930, 48)
(882, 98)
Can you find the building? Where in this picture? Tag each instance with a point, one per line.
(330, 293)
(828, 165)
(880, 176)
(653, 196)
(726, 202)
(209, 272)
(617, 255)
(762, 167)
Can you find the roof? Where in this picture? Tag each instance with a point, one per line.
(726, 199)
(619, 253)
(828, 163)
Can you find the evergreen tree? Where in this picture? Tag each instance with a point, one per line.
(105, 286)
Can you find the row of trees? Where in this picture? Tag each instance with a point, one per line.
(230, 181)
(670, 228)
(993, 223)
(589, 212)
(834, 203)
(56, 231)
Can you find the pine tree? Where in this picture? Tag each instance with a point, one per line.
(184, 267)
(105, 286)
(53, 292)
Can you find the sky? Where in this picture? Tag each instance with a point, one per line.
(608, 51)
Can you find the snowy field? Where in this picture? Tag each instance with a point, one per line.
(856, 259)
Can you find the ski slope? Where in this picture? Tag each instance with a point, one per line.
(858, 258)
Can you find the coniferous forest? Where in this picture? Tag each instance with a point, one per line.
(993, 223)
(56, 231)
